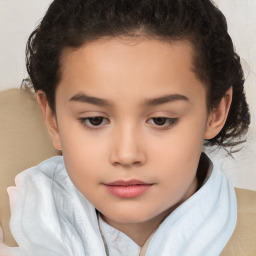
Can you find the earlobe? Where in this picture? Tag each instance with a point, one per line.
(218, 116)
(50, 119)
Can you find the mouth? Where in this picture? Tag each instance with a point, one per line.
(127, 189)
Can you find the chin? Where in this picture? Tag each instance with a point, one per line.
(128, 217)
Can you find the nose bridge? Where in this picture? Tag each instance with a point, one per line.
(128, 148)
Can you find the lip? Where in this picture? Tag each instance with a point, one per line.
(127, 183)
(127, 189)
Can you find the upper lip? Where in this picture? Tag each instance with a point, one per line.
(127, 183)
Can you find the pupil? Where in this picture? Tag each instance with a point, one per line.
(96, 120)
(159, 120)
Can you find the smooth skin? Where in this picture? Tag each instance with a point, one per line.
(132, 109)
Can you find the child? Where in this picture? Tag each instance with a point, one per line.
(130, 92)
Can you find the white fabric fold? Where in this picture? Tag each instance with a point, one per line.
(202, 225)
(50, 217)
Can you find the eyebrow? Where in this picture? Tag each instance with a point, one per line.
(81, 97)
(165, 99)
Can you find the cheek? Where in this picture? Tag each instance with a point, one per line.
(180, 153)
(79, 143)
(81, 155)
(181, 145)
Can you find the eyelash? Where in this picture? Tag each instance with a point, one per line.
(86, 122)
(168, 122)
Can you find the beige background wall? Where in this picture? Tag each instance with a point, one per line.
(19, 17)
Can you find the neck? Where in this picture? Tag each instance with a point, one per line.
(138, 232)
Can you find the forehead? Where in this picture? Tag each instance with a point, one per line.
(108, 52)
(130, 67)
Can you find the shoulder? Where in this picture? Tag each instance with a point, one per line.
(243, 240)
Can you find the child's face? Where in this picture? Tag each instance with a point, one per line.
(131, 111)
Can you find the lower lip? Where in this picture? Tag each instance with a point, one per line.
(128, 191)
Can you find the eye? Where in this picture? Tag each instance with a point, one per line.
(163, 121)
(96, 121)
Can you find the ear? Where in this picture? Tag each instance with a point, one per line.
(50, 119)
(218, 115)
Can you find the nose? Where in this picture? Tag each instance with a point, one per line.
(127, 148)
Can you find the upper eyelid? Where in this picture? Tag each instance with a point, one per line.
(105, 117)
(88, 114)
(155, 114)
(89, 117)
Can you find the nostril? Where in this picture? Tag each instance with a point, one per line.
(127, 165)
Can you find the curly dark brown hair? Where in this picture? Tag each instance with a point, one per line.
(72, 23)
